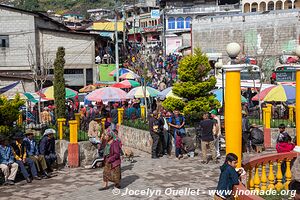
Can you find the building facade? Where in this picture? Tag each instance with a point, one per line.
(269, 5)
(27, 39)
(259, 34)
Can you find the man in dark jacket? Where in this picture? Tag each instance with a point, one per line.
(19, 150)
(47, 147)
(228, 177)
(156, 125)
(207, 138)
(33, 153)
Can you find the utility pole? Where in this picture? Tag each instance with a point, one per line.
(116, 43)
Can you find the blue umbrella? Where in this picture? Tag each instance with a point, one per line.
(219, 95)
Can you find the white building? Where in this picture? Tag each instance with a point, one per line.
(30, 38)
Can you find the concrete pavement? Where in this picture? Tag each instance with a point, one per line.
(164, 178)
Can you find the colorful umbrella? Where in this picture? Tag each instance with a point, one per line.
(219, 96)
(49, 93)
(107, 94)
(121, 85)
(88, 88)
(33, 97)
(129, 75)
(138, 92)
(168, 92)
(126, 84)
(121, 72)
(280, 93)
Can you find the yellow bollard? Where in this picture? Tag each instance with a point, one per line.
(143, 112)
(103, 124)
(120, 115)
(298, 105)
(264, 116)
(233, 115)
(61, 122)
(77, 118)
(20, 119)
(268, 116)
(73, 131)
(291, 113)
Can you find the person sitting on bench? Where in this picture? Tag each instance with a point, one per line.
(19, 150)
(47, 147)
(7, 164)
(33, 153)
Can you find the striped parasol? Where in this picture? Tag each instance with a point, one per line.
(280, 93)
(107, 94)
(49, 93)
(138, 92)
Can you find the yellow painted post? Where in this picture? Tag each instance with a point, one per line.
(271, 177)
(279, 184)
(73, 131)
(143, 112)
(77, 118)
(268, 116)
(20, 119)
(298, 105)
(291, 113)
(288, 174)
(233, 108)
(120, 115)
(264, 116)
(103, 123)
(61, 122)
(263, 178)
(256, 179)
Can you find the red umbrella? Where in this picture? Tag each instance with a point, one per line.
(121, 85)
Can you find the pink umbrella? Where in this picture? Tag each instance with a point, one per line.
(107, 94)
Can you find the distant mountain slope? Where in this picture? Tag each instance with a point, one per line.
(60, 6)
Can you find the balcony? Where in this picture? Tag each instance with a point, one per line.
(264, 173)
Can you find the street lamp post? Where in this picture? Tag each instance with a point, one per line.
(233, 108)
(297, 67)
(219, 65)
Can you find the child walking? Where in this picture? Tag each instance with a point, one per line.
(178, 145)
(228, 177)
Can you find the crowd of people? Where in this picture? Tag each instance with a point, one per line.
(22, 150)
(163, 71)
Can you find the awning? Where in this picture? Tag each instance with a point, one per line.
(107, 34)
(9, 87)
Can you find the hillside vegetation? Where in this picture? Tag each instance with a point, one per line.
(60, 6)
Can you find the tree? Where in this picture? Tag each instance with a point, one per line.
(195, 85)
(59, 83)
(9, 113)
(39, 70)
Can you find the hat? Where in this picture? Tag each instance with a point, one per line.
(253, 125)
(49, 131)
(19, 135)
(244, 112)
(29, 132)
(214, 112)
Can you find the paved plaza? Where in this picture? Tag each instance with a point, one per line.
(161, 177)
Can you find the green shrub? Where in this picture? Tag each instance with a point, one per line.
(137, 123)
(171, 104)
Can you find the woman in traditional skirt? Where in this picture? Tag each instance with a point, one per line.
(112, 162)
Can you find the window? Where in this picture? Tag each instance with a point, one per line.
(180, 23)
(188, 22)
(171, 23)
(4, 42)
